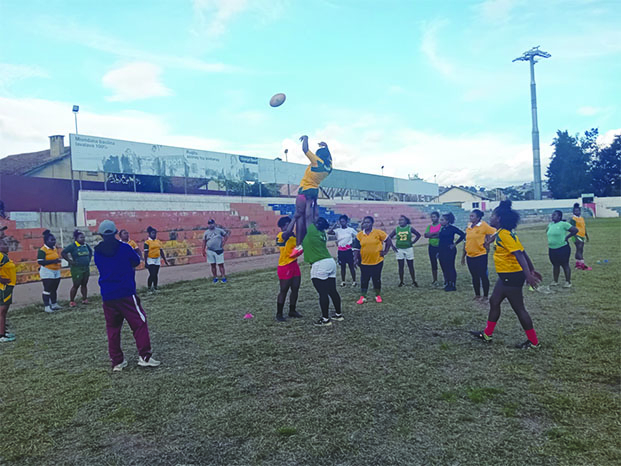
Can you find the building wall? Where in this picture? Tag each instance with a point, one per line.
(60, 169)
(465, 199)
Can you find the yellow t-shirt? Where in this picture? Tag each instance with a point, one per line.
(153, 246)
(370, 246)
(133, 244)
(316, 172)
(48, 254)
(580, 224)
(507, 243)
(7, 270)
(475, 238)
(285, 249)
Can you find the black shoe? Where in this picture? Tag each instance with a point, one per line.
(323, 322)
(481, 336)
(338, 317)
(280, 318)
(415, 284)
(400, 284)
(450, 286)
(295, 314)
(528, 345)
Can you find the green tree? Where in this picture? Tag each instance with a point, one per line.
(568, 172)
(606, 169)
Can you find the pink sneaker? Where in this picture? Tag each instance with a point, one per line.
(73, 304)
(85, 301)
(586, 267)
(378, 299)
(297, 252)
(362, 300)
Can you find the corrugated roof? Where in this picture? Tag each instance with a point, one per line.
(22, 164)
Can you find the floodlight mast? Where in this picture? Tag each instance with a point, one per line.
(529, 56)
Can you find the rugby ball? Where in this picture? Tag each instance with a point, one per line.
(277, 99)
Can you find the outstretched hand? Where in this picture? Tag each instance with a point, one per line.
(323, 144)
(303, 138)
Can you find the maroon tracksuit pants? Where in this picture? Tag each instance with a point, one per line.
(129, 309)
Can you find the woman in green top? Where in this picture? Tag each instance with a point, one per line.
(79, 255)
(558, 248)
(404, 247)
(432, 232)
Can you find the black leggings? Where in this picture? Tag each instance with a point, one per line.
(433, 256)
(371, 272)
(285, 285)
(447, 262)
(515, 297)
(153, 271)
(327, 290)
(50, 290)
(478, 270)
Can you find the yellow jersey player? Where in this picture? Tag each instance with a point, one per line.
(579, 239)
(8, 278)
(288, 271)
(306, 210)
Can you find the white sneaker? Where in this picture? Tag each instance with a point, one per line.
(55, 306)
(354, 284)
(48, 309)
(150, 363)
(554, 284)
(119, 367)
(567, 285)
(343, 284)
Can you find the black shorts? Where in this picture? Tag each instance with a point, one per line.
(560, 256)
(346, 257)
(513, 279)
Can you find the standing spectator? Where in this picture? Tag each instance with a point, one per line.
(124, 236)
(432, 232)
(448, 249)
(8, 278)
(558, 233)
(404, 247)
(79, 255)
(49, 271)
(153, 255)
(581, 237)
(214, 240)
(116, 261)
(345, 236)
(478, 235)
(370, 247)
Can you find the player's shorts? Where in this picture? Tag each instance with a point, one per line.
(324, 269)
(214, 258)
(513, 279)
(560, 256)
(6, 296)
(79, 275)
(289, 271)
(346, 257)
(578, 239)
(312, 193)
(47, 274)
(405, 254)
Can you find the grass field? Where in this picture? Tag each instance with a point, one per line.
(396, 383)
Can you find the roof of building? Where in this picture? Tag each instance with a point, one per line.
(464, 190)
(23, 164)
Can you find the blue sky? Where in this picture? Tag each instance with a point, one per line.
(421, 87)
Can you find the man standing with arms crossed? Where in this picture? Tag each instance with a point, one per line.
(214, 240)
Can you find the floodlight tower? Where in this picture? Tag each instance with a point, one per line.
(529, 56)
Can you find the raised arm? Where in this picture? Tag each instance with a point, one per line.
(304, 140)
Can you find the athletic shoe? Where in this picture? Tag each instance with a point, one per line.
(481, 336)
(119, 367)
(554, 284)
(378, 299)
(55, 306)
(85, 301)
(72, 304)
(323, 322)
(586, 267)
(223, 280)
(48, 309)
(343, 284)
(435, 284)
(450, 286)
(567, 285)
(338, 317)
(7, 333)
(362, 300)
(280, 318)
(414, 284)
(215, 280)
(400, 285)
(578, 265)
(297, 252)
(8, 337)
(528, 345)
(354, 284)
(150, 363)
(295, 314)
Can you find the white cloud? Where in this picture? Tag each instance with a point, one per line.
(589, 111)
(10, 73)
(497, 11)
(607, 138)
(429, 47)
(134, 81)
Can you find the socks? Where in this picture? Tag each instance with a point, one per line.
(489, 329)
(532, 336)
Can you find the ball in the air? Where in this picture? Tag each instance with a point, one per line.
(277, 99)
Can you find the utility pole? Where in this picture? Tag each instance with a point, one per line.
(529, 56)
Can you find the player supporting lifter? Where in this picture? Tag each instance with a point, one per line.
(306, 209)
(289, 274)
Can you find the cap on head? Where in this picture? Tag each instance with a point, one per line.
(107, 227)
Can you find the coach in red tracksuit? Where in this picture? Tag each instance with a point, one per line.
(115, 261)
